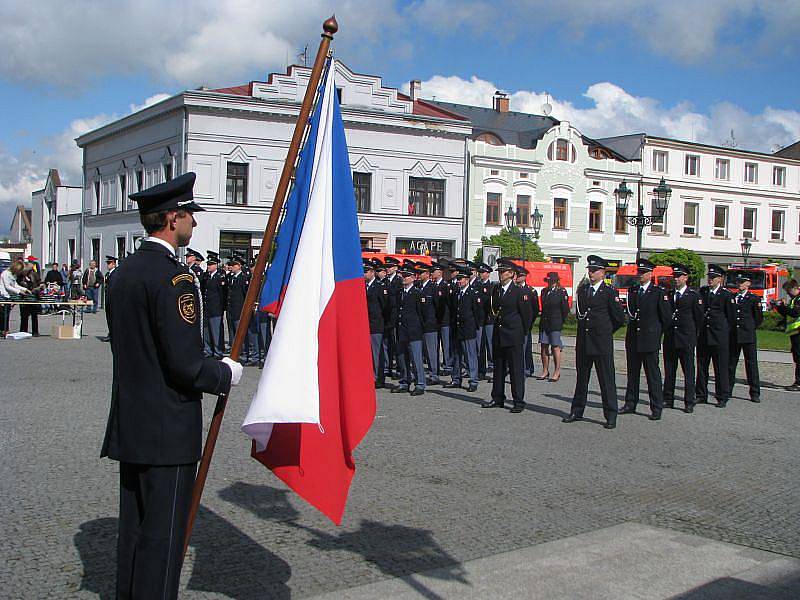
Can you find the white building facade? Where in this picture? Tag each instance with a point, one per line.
(53, 207)
(407, 160)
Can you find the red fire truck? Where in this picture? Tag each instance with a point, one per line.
(767, 280)
(628, 275)
(537, 274)
(423, 258)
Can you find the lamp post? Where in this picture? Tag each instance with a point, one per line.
(746, 245)
(514, 219)
(661, 194)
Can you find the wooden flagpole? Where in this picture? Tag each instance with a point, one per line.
(329, 27)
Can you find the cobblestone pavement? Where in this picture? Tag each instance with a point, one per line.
(440, 481)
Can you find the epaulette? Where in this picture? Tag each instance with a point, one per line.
(182, 277)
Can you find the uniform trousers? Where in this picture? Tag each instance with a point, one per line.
(376, 344)
(750, 367)
(684, 356)
(795, 343)
(390, 350)
(719, 356)
(249, 350)
(467, 350)
(431, 348)
(264, 329)
(409, 355)
(444, 338)
(527, 353)
(508, 359)
(604, 367)
(652, 373)
(486, 362)
(153, 510)
(214, 337)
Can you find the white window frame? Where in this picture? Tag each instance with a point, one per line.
(657, 227)
(719, 162)
(747, 232)
(687, 160)
(107, 195)
(695, 227)
(754, 180)
(778, 170)
(772, 231)
(657, 156)
(720, 232)
(566, 213)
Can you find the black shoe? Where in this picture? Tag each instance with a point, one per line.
(721, 403)
(434, 382)
(472, 388)
(669, 405)
(492, 404)
(627, 409)
(795, 387)
(453, 384)
(105, 338)
(705, 400)
(517, 408)
(755, 399)
(689, 408)
(400, 389)
(417, 392)
(655, 417)
(379, 385)
(572, 417)
(610, 425)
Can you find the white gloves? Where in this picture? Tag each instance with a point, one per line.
(236, 370)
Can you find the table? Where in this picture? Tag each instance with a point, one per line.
(72, 308)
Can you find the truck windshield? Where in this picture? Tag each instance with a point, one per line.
(758, 278)
(625, 281)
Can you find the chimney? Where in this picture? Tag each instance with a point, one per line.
(501, 101)
(415, 88)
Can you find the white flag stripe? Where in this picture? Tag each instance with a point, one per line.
(288, 391)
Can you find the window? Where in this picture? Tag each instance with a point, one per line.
(362, 185)
(595, 216)
(750, 173)
(139, 180)
(561, 149)
(339, 94)
(137, 241)
(120, 247)
(524, 210)
(96, 250)
(660, 161)
(690, 214)
(97, 196)
(620, 222)
(71, 249)
(167, 171)
(492, 208)
(236, 184)
(494, 172)
(426, 196)
(749, 223)
(779, 176)
(123, 190)
(658, 224)
(108, 194)
(720, 221)
(490, 139)
(722, 169)
(776, 233)
(523, 175)
(559, 213)
(692, 165)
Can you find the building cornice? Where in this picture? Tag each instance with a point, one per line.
(513, 164)
(717, 150)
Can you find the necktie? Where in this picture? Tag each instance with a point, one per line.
(677, 296)
(641, 292)
(591, 292)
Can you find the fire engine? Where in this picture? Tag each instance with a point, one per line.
(766, 279)
(628, 275)
(537, 274)
(401, 256)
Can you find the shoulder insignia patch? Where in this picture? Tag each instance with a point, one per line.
(699, 300)
(385, 292)
(186, 308)
(422, 299)
(183, 277)
(666, 297)
(478, 300)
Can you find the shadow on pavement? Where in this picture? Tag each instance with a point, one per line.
(396, 550)
(724, 588)
(226, 561)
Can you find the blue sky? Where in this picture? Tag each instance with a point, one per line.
(610, 66)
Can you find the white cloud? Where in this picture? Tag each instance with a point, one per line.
(614, 111)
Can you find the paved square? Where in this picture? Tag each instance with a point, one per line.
(440, 482)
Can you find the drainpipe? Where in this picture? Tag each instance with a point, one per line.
(184, 133)
(465, 226)
(83, 206)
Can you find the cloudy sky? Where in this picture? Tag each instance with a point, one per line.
(687, 69)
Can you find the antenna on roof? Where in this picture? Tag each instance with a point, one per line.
(304, 55)
(547, 108)
(730, 143)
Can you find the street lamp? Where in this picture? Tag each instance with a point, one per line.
(746, 245)
(514, 219)
(661, 195)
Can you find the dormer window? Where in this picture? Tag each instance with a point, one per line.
(561, 149)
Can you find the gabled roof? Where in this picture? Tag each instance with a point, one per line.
(54, 177)
(513, 128)
(792, 151)
(628, 146)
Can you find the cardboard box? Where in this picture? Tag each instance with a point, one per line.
(66, 332)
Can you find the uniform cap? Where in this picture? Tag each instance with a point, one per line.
(552, 276)
(460, 273)
(368, 266)
(743, 277)
(596, 262)
(405, 271)
(195, 253)
(170, 195)
(644, 265)
(522, 271)
(213, 257)
(680, 269)
(110, 258)
(715, 271)
(391, 261)
(484, 268)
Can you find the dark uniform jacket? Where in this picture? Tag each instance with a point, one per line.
(394, 286)
(687, 321)
(237, 291)
(486, 288)
(468, 313)
(719, 310)
(443, 303)
(513, 317)
(650, 315)
(215, 293)
(598, 318)
(748, 317)
(427, 291)
(555, 308)
(377, 298)
(159, 372)
(533, 298)
(409, 315)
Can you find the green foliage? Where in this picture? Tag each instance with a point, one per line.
(511, 246)
(773, 321)
(690, 258)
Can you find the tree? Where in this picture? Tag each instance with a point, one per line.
(690, 258)
(511, 246)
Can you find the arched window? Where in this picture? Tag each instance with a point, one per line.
(561, 149)
(490, 139)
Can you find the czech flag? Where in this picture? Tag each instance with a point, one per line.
(316, 398)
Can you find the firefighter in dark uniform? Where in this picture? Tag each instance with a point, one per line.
(377, 298)
(214, 286)
(599, 315)
(533, 296)
(193, 260)
(680, 339)
(713, 344)
(409, 335)
(648, 317)
(393, 283)
(238, 282)
(159, 377)
(467, 312)
(749, 316)
(442, 299)
(485, 360)
(430, 324)
(513, 318)
(111, 266)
